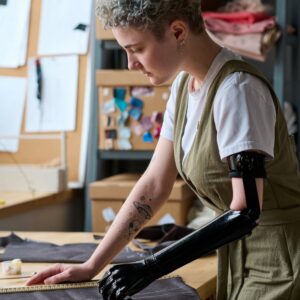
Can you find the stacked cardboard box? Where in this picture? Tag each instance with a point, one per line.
(109, 194)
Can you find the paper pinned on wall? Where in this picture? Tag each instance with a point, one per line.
(56, 109)
(12, 99)
(64, 27)
(14, 27)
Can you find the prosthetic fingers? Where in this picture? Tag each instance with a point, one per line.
(127, 279)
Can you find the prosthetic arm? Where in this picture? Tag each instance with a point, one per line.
(125, 280)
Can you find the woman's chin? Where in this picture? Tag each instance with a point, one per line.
(156, 81)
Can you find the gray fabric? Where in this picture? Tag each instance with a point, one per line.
(34, 251)
(170, 288)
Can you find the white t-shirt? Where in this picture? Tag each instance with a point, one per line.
(244, 112)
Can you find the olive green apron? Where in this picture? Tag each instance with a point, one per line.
(246, 268)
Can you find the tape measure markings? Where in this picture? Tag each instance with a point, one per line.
(49, 287)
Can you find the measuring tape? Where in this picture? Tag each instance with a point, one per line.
(49, 287)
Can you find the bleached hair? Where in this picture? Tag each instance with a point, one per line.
(150, 15)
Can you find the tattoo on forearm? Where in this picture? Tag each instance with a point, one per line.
(145, 212)
(134, 227)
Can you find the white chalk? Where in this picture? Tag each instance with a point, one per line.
(12, 267)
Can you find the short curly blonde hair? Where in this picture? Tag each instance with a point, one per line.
(150, 15)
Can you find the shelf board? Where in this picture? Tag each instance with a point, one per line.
(124, 155)
(124, 77)
(120, 77)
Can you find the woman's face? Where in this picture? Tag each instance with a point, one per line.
(157, 59)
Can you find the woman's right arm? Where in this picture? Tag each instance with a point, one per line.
(145, 199)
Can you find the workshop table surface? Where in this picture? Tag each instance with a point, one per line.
(199, 274)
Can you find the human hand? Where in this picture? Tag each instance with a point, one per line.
(125, 280)
(59, 273)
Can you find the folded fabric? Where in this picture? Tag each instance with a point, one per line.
(246, 5)
(170, 288)
(243, 17)
(34, 251)
(253, 45)
(217, 25)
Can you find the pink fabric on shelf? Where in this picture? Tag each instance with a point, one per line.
(243, 17)
(249, 45)
(217, 25)
(251, 42)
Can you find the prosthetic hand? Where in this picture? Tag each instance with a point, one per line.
(125, 280)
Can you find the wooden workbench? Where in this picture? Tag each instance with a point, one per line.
(31, 212)
(200, 274)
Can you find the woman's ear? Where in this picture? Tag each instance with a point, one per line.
(179, 30)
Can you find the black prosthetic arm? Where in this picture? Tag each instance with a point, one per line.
(125, 280)
(248, 166)
(230, 226)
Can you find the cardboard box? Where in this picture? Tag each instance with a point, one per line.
(29, 178)
(111, 192)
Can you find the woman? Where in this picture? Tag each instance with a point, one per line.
(222, 117)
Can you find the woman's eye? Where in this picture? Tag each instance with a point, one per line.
(136, 50)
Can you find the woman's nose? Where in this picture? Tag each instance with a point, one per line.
(133, 64)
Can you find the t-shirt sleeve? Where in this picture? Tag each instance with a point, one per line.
(167, 130)
(244, 115)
